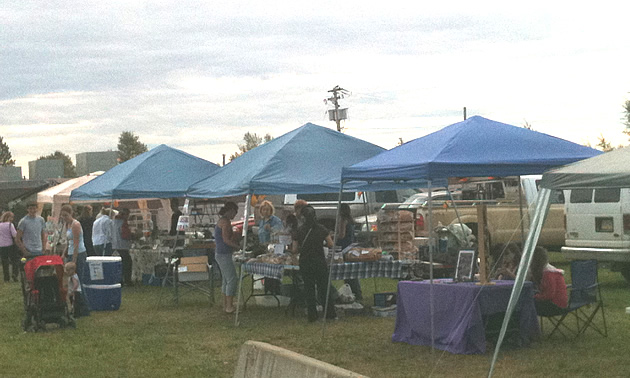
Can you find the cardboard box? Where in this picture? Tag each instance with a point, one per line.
(193, 260)
(192, 268)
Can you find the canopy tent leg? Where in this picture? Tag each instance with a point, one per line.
(332, 259)
(542, 206)
(248, 201)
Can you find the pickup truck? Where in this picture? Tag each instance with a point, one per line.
(503, 211)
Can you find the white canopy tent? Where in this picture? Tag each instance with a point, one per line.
(609, 170)
(60, 194)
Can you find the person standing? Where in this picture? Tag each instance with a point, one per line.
(225, 245)
(311, 236)
(121, 243)
(8, 250)
(102, 234)
(31, 233)
(87, 221)
(76, 252)
(345, 237)
(269, 224)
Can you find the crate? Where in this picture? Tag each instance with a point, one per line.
(384, 299)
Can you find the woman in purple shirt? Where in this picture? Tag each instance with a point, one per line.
(8, 250)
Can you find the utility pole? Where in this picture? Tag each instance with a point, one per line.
(337, 114)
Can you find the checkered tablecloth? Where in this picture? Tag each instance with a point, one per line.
(388, 269)
(267, 270)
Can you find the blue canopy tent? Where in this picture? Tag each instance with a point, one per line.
(475, 147)
(162, 172)
(306, 160)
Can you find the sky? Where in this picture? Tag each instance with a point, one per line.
(198, 75)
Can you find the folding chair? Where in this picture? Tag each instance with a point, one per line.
(585, 301)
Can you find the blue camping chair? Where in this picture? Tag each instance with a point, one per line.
(585, 301)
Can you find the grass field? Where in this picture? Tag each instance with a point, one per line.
(196, 339)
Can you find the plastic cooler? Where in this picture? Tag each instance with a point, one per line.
(104, 270)
(103, 297)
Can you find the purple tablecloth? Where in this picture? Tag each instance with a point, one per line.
(459, 309)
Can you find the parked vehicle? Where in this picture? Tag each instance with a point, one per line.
(501, 195)
(361, 203)
(598, 227)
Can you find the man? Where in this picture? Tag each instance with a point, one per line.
(102, 234)
(121, 243)
(31, 234)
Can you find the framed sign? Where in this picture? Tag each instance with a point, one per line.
(465, 265)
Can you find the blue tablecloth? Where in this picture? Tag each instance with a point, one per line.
(389, 269)
(459, 310)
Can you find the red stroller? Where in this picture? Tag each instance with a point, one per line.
(44, 294)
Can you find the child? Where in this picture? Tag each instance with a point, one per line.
(79, 306)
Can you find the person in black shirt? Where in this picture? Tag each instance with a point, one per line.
(175, 217)
(87, 222)
(311, 237)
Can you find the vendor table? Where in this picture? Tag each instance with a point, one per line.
(459, 313)
(371, 269)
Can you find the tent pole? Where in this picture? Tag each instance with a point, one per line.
(520, 208)
(332, 256)
(542, 207)
(248, 201)
(431, 245)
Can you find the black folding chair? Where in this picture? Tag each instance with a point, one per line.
(585, 302)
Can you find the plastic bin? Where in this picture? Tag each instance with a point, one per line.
(103, 297)
(104, 270)
(384, 299)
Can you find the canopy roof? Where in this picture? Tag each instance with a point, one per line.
(609, 170)
(472, 148)
(306, 160)
(61, 193)
(162, 172)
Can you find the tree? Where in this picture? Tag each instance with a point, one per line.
(129, 146)
(603, 144)
(527, 125)
(251, 141)
(5, 154)
(68, 166)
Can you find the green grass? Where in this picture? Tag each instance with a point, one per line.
(196, 339)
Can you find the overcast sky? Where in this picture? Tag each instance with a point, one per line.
(198, 75)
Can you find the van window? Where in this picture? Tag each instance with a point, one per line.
(581, 196)
(386, 196)
(607, 195)
(327, 197)
(557, 196)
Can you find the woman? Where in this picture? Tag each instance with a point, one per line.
(345, 237)
(121, 243)
(269, 224)
(549, 281)
(8, 249)
(75, 251)
(225, 244)
(311, 236)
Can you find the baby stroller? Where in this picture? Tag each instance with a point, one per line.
(44, 294)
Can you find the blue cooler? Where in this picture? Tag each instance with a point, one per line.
(103, 297)
(104, 270)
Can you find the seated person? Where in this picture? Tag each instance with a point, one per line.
(509, 257)
(551, 290)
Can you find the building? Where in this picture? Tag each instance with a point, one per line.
(10, 173)
(45, 169)
(88, 162)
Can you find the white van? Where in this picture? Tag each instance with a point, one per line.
(598, 227)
